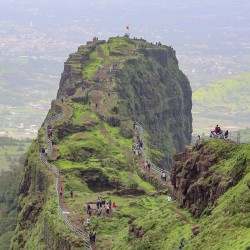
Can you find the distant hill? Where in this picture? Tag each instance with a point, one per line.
(11, 150)
(225, 102)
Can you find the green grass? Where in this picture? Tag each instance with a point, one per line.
(115, 134)
(163, 229)
(143, 184)
(95, 61)
(94, 151)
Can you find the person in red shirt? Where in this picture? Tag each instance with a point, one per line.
(113, 207)
(61, 192)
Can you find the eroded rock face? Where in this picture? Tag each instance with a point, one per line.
(136, 232)
(130, 192)
(95, 178)
(157, 94)
(196, 184)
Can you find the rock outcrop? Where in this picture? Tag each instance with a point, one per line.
(196, 180)
(152, 90)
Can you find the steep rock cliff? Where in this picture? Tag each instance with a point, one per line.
(200, 177)
(157, 94)
(151, 88)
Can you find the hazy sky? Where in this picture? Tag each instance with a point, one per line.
(174, 22)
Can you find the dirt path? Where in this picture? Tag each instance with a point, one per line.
(101, 74)
(150, 173)
(102, 108)
(74, 218)
(96, 97)
(101, 53)
(183, 216)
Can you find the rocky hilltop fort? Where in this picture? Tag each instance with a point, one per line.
(111, 169)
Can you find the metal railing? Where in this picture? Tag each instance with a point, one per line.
(233, 136)
(156, 169)
(51, 167)
(64, 217)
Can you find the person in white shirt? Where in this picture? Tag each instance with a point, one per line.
(88, 222)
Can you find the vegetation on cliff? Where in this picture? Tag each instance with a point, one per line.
(104, 88)
(94, 138)
(9, 184)
(145, 85)
(212, 180)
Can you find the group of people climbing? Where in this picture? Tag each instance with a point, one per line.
(217, 130)
(45, 151)
(218, 133)
(102, 208)
(61, 191)
(138, 148)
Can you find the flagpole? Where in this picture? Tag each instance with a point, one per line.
(127, 32)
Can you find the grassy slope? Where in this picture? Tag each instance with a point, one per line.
(166, 227)
(108, 156)
(228, 227)
(223, 102)
(101, 148)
